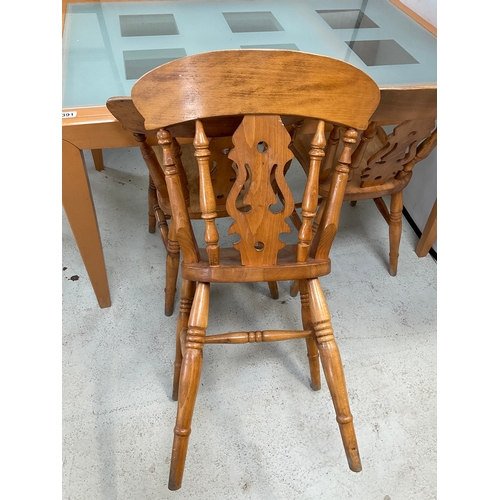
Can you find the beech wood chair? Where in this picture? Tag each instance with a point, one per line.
(160, 211)
(381, 165)
(259, 86)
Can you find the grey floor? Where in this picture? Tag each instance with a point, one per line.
(259, 432)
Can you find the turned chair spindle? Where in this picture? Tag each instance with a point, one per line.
(207, 197)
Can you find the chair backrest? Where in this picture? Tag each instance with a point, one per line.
(262, 87)
(382, 162)
(394, 153)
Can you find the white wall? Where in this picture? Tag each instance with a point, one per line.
(424, 8)
(421, 193)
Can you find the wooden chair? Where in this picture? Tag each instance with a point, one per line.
(261, 87)
(160, 211)
(382, 166)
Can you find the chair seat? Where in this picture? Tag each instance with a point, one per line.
(230, 269)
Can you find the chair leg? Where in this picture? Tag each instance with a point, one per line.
(189, 382)
(187, 294)
(334, 373)
(382, 208)
(294, 288)
(395, 230)
(98, 159)
(152, 201)
(312, 347)
(429, 234)
(172, 269)
(273, 289)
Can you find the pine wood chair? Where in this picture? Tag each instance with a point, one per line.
(382, 166)
(160, 210)
(261, 87)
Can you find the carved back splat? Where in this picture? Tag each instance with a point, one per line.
(400, 149)
(260, 152)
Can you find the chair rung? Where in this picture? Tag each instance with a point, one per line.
(264, 336)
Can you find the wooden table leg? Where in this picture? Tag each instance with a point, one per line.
(79, 207)
(429, 234)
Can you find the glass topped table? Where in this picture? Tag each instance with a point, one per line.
(107, 46)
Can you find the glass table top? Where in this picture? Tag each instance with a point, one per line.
(107, 46)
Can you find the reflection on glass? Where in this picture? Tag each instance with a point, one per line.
(139, 62)
(281, 46)
(148, 25)
(252, 22)
(381, 52)
(346, 19)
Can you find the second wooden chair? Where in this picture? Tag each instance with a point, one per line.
(382, 166)
(160, 211)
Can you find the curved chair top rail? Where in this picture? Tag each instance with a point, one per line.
(243, 82)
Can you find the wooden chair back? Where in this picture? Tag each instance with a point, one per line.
(397, 154)
(261, 86)
(382, 165)
(381, 162)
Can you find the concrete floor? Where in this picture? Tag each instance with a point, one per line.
(259, 432)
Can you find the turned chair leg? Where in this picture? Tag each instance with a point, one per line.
(187, 294)
(273, 289)
(312, 347)
(172, 269)
(152, 201)
(98, 159)
(294, 288)
(189, 382)
(333, 371)
(395, 230)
